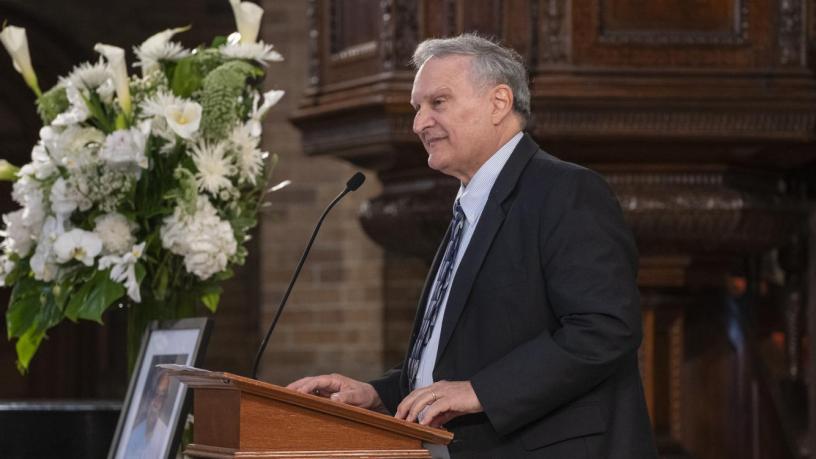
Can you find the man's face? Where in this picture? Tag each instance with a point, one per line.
(452, 116)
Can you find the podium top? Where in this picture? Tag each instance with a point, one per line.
(200, 378)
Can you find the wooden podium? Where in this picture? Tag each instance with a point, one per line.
(239, 417)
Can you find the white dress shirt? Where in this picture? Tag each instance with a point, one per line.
(472, 197)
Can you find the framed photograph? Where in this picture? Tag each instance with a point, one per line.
(155, 408)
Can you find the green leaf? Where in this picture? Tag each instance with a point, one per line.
(218, 41)
(77, 300)
(24, 306)
(102, 294)
(95, 296)
(26, 347)
(211, 298)
(186, 77)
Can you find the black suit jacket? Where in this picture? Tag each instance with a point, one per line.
(544, 319)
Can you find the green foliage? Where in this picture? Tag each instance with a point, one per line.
(189, 73)
(52, 103)
(221, 101)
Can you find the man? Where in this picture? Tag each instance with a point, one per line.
(526, 339)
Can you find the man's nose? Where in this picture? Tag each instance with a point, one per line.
(421, 121)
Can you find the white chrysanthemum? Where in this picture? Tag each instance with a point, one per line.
(18, 237)
(248, 157)
(156, 105)
(159, 48)
(87, 75)
(79, 245)
(6, 267)
(43, 262)
(214, 166)
(123, 269)
(125, 149)
(116, 232)
(259, 52)
(204, 240)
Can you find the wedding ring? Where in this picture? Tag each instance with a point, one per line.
(433, 394)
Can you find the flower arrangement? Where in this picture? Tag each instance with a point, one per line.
(142, 189)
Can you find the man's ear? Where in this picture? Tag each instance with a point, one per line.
(502, 100)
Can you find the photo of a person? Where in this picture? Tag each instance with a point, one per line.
(148, 439)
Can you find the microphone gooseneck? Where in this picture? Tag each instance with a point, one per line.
(353, 183)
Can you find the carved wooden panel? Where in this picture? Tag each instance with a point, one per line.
(699, 34)
(677, 21)
(350, 45)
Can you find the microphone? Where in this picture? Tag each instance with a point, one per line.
(353, 183)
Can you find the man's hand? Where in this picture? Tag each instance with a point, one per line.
(341, 389)
(444, 401)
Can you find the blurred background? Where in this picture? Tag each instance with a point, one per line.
(700, 113)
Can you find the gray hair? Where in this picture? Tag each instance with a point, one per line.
(492, 64)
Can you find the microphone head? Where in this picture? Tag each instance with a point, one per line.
(355, 181)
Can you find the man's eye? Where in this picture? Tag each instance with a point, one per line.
(438, 101)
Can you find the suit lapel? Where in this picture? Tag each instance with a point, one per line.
(489, 223)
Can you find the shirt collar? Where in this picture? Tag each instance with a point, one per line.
(473, 196)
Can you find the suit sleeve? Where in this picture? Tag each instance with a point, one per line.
(589, 265)
(388, 388)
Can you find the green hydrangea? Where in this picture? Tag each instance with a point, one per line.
(221, 97)
(52, 103)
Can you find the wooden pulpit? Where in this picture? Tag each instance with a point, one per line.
(239, 417)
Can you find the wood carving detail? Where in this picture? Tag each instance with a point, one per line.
(703, 212)
(400, 32)
(759, 124)
(554, 33)
(314, 34)
(790, 32)
(724, 30)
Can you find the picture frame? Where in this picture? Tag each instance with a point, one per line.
(154, 411)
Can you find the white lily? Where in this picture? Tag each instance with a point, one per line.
(78, 244)
(16, 43)
(247, 19)
(183, 118)
(123, 270)
(118, 68)
(259, 110)
(158, 47)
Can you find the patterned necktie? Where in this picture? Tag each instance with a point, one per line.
(443, 280)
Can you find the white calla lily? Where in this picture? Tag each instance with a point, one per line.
(118, 68)
(247, 19)
(16, 43)
(183, 118)
(78, 244)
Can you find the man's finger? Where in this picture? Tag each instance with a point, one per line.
(420, 403)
